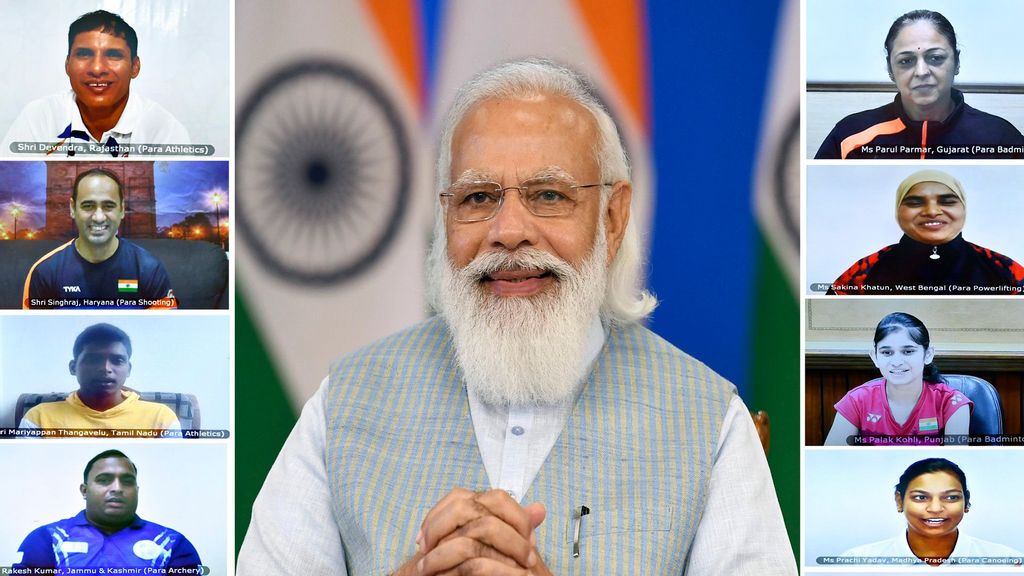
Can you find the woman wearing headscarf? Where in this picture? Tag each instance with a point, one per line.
(928, 118)
(932, 257)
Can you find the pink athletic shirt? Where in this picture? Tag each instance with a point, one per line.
(867, 408)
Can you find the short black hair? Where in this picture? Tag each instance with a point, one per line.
(101, 333)
(927, 466)
(107, 22)
(106, 454)
(93, 172)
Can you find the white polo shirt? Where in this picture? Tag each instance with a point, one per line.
(56, 118)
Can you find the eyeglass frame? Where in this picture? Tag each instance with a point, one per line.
(501, 198)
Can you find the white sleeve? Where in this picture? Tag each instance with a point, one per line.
(176, 133)
(741, 531)
(162, 127)
(293, 530)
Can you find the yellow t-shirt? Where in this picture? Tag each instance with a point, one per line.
(132, 413)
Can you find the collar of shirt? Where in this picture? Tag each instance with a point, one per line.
(515, 440)
(130, 402)
(122, 131)
(81, 519)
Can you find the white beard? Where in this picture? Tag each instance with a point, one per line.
(517, 351)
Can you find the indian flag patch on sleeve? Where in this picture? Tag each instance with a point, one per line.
(928, 424)
(127, 285)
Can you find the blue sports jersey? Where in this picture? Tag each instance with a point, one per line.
(74, 545)
(131, 278)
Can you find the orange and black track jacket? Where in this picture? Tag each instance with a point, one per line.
(911, 267)
(887, 133)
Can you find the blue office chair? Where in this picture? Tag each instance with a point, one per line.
(987, 416)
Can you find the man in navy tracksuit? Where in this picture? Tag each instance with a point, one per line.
(97, 269)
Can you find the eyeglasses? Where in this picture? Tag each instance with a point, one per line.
(481, 200)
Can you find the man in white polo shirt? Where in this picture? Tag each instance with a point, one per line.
(99, 114)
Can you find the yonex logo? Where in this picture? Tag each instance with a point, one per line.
(874, 417)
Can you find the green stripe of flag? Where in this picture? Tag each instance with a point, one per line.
(263, 415)
(776, 380)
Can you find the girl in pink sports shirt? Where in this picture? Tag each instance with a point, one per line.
(909, 404)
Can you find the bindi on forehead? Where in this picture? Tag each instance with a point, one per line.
(923, 49)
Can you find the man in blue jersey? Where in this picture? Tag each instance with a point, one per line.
(108, 535)
(97, 269)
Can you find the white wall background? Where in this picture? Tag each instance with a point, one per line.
(170, 353)
(845, 38)
(848, 496)
(184, 47)
(851, 212)
(182, 485)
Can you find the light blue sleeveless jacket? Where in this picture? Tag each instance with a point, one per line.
(637, 451)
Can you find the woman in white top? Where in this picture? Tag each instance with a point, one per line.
(932, 495)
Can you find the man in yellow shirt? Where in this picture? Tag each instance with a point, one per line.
(102, 363)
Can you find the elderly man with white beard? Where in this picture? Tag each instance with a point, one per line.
(533, 426)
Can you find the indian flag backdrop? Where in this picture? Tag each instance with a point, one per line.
(332, 204)
(338, 105)
(775, 356)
